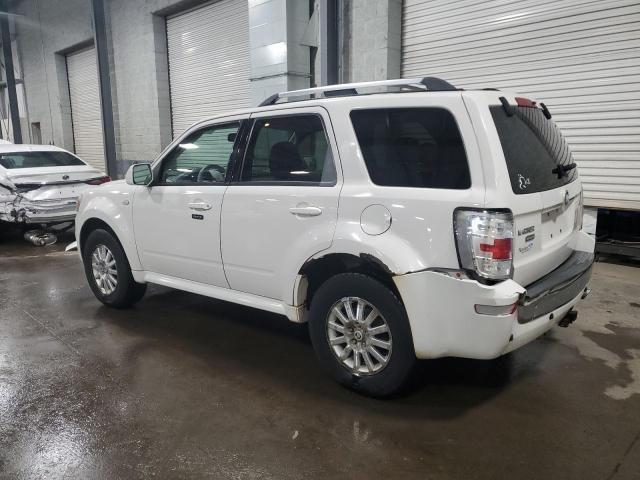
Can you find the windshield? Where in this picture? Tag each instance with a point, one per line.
(533, 149)
(38, 159)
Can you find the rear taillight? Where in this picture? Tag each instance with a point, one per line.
(579, 215)
(485, 242)
(99, 180)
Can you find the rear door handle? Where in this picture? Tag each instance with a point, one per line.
(306, 211)
(200, 206)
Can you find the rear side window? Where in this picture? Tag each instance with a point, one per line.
(533, 147)
(412, 147)
(289, 149)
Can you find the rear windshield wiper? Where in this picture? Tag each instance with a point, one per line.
(563, 170)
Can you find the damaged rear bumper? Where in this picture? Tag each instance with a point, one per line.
(566, 282)
(22, 210)
(445, 318)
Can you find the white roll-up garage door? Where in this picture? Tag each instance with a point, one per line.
(86, 118)
(582, 58)
(208, 61)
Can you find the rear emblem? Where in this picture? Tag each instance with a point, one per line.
(65, 177)
(566, 198)
(523, 182)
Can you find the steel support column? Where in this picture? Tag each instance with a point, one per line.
(9, 72)
(106, 105)
(329, 42)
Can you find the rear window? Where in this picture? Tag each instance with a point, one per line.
(412, 147)
(533, 147)
(38, 159)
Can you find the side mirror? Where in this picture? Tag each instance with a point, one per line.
(140, 174)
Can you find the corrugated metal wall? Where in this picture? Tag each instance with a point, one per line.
(582, 58)
(209, 62)
(86, 118)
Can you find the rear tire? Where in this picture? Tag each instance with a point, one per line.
(108, 272)
(361, 335)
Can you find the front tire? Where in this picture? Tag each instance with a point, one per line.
(361, 335)
(108, 272)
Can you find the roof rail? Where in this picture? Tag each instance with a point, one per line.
(431, 84)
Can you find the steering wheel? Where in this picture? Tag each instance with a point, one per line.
(215, 172)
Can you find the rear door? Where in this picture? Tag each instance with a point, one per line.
(530, 170)
(283, 207)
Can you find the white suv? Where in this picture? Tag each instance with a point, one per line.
(402, 219)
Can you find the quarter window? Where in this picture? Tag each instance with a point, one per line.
(202, 157)
(412, 147)
(290, 149)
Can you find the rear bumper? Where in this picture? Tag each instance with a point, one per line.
(443, 318)
(557, 288)
(48, 219)
(40, 212)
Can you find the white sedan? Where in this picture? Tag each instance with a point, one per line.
(40, 184)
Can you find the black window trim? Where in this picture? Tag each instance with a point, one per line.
(441, 107)
(236, 150)
(237, 178)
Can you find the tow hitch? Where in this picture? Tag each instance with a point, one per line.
(568, 319)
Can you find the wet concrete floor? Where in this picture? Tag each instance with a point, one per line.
(184, 386)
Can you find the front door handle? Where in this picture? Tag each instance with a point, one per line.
(306, 211)
(200, 206)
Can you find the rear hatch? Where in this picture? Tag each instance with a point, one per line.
(533, 174)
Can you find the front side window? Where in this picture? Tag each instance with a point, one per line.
(38, 160)
(202, 157)
(289, 149)
(412, 147)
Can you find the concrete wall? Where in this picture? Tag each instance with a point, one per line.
(140, 76)
(371, 39)
(66, 26)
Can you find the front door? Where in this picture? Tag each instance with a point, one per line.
(283, 206)
(177, 219)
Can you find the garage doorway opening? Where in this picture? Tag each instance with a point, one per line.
(86, 116)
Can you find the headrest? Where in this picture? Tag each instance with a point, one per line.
(284, 159)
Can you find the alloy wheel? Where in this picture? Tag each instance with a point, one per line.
(359, 336)
(103, 265)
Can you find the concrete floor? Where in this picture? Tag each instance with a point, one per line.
(187, 387)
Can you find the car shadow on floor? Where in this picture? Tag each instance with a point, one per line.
(252, 343)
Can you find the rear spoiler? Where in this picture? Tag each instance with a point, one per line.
(90, 181)
(523, 102)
